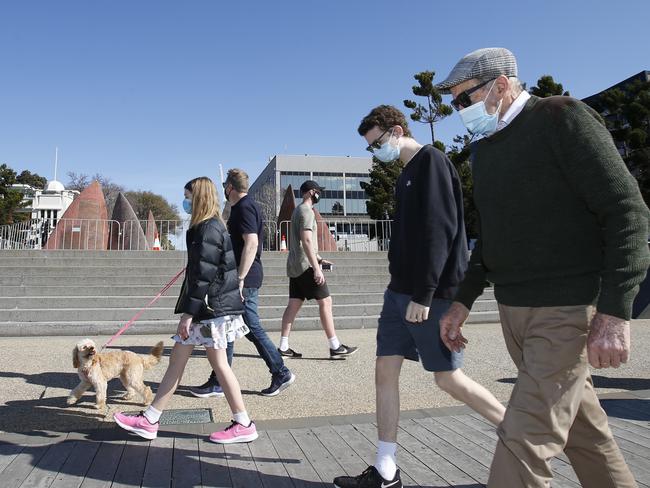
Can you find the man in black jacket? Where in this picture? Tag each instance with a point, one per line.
(427, 260)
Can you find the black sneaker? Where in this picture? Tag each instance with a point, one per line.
(370, 478)
(279, 383)
(208, 389)
(289, 353)
(342, 352)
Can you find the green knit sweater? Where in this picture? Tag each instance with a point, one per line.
(562, 221)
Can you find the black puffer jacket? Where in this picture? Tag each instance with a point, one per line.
(210, 288)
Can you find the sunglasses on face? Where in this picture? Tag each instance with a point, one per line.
(463, 100)
(376, 144)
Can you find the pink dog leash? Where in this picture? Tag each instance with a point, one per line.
(141, 311)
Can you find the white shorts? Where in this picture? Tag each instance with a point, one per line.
(215, 333)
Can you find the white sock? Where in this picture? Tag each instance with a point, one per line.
(152, 414)
(284, 343)
(334, 342)
(386, 459)
(242, 418)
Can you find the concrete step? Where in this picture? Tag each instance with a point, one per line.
(165, 254)
(169, 301)
(179, 261)
(123, 314)
(160, 280)
(162, 271)
(152, 290)
(107, 328)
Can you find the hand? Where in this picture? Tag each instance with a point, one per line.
(241, 289)
(450, 325)
(416, 312)
(184, 324)
(318, 276)
(608, 342)
(325, 261)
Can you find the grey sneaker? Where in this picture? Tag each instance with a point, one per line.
(279, 383)
(342, 352)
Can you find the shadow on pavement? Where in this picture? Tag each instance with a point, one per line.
(627, 409)
(631, 384)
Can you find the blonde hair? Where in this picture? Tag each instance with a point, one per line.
(238, 179)
(205, 203)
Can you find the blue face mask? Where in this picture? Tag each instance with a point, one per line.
(387, 152)
(187, 206)
(477, 120)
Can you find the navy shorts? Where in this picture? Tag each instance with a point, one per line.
(397, 337)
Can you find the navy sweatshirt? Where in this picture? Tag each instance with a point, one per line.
(428, 247)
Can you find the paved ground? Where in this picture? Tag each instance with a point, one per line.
(36, 376)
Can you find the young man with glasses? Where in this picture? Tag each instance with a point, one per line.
(306, 279)
(246, 232)
(563, 228)
(427, 259)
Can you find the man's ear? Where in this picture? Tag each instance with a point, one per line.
(398, 131)
(501, 84)
(75, 357)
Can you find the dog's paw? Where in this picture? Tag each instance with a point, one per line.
(100, 406)
(71, 400)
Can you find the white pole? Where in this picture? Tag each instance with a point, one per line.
(56, 161)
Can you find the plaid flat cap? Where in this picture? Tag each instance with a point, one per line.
(483, 64)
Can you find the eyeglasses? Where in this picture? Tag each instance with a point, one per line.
(463, 100)
(374, 145)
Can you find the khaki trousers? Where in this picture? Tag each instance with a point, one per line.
(553, 405)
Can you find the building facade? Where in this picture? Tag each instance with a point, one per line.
(341, 176)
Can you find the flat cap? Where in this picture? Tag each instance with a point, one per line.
(310, 185)
(483, 64)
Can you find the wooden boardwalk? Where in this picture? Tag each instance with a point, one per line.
(443, 451)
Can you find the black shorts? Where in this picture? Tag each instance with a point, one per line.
(305, 288)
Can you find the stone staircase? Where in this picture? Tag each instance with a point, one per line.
(96, 292)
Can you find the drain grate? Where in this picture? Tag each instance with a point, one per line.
(185, 416)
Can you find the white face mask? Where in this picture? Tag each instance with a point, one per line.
(388, 152)
(476, 118)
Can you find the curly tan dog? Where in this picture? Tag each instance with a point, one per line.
(97, 370)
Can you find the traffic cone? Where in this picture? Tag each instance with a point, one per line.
(156, 243)
(283, 243)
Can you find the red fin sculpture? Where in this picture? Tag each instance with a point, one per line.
(128, 235)
(84, 224)
(326, 241)
(152, 230)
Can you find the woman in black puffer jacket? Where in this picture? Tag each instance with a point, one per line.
(212, 310)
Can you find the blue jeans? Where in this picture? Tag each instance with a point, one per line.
(258, 336)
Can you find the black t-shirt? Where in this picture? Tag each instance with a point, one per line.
(246, 218)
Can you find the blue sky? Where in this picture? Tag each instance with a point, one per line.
(153, 93)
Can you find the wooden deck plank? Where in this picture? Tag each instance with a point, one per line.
(8, 453)
(22, 464)
(440, 456)
(272, 472)
(158, 467)
(104, 465)
(186, 470)
(349, 460)
(214, 466)
(362, 438)
(44, 474)
(73, 471)
(243, 472)
(131, 467)
(481, 438)
(300, 470)
(320, 458)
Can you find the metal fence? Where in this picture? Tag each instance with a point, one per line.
(141, 235)
(94, 234)
(346, 235)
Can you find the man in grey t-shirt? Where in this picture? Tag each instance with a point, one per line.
(306, 280)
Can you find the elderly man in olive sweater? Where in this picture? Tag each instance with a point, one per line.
(563, 237)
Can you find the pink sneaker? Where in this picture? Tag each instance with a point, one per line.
(138, 424)
(235, 432)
